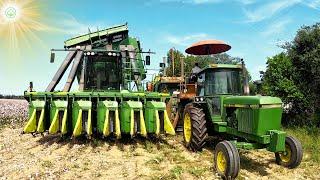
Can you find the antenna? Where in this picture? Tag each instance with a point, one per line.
(90, 35)
(98, 33)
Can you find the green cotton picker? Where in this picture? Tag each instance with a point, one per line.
(110, 99)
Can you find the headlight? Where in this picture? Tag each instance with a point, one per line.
(92, 53)
(201, 99)
(196, 99)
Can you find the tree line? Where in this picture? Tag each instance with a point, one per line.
(10, 97)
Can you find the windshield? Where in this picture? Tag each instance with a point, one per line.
(102, 73)
(222, 81)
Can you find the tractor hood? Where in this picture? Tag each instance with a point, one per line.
(251, 100)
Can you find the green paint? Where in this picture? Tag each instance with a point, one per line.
(277, 141)
(84, 106)
(103, 106)
(150, 114)
(56, 107)
(125, 114)
(252, 100)
(36, 122)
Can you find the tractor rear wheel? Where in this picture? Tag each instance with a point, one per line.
(292, 155)
(227, 160)
(194, 128)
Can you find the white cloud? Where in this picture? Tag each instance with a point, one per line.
(276, 27)
(70, 25)
(186, 40)
(314, 4)
(267, 10)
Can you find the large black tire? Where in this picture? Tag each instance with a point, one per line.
(292, 157)
(226, 160)
(198, 134)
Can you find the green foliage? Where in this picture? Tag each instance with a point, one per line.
(304, 51)
(279, 81)
(294, 76)
(189, 61)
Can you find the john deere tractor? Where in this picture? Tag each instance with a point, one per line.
(218, 104)
(109, 98)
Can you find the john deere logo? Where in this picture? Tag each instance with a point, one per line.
(10, 12)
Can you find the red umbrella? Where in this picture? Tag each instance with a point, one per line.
(208, 47)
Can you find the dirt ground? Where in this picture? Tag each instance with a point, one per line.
(23, 156)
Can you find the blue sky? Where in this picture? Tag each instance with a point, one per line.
(253, 28)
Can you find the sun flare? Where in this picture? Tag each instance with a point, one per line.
(20, 21)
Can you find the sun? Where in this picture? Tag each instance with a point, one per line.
(20, 22)
(10, 12)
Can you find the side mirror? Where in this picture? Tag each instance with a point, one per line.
(148, 60)
(162, 65)
(52, 57)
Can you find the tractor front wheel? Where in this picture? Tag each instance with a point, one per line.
(292, 155)
(227, 160)
(194, 128)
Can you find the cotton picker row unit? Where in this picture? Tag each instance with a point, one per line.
(110, 100)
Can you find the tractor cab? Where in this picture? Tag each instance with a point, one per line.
(219, 79)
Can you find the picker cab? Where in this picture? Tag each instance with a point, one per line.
(102, 71)
(223, 108)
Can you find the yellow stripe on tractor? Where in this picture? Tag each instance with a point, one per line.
(143, 130)
(54, 127)
(132, 123)
(89, 124)
(78, 127)
(106, 128)
(64, 123)
(117, 124)
(32, 123)
(40, 127)
(168, 127)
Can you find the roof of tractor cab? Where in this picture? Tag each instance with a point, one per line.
(86, 37)
(221, 66)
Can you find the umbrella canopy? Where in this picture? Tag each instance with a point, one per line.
(208, 47)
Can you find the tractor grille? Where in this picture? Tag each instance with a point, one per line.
(245, 120)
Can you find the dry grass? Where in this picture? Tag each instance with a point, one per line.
(50, 157)
(25, 156)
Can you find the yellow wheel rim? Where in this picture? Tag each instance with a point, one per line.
(286, 155)
(187, 127)
(221, 162)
